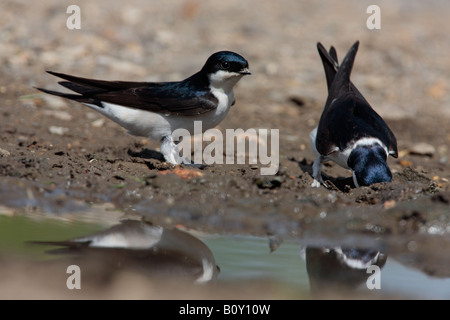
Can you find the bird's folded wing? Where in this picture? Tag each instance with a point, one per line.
(349, 119)
(161, 101)
(171, 98)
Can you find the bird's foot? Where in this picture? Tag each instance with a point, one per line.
(315, 184)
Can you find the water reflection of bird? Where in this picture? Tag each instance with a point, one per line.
(143, 247)
(340, 268)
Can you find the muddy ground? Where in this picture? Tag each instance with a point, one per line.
(58, 156)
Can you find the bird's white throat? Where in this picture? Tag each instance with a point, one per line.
(224, 80)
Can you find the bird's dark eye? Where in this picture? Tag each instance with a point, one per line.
(225, 65)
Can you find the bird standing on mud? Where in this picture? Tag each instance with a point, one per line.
(350, 132)
(156, 109)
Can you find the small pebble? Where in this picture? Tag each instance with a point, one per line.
(422, 149)
(4, 153)
(98, 123)
(405, 163)
(58, 130)
(59, 114)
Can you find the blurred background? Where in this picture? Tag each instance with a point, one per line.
(405, 62)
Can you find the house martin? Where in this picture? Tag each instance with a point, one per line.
(156, 109)
(350, 132)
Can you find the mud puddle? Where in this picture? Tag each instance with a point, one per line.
(318, 264)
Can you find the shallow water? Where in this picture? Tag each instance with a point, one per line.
(247, 259)
(244, 258)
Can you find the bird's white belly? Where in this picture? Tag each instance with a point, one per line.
(157, 125)
(312, 142)
(137, 122)
(339, 157)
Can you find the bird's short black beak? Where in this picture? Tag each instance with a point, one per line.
(245, 71)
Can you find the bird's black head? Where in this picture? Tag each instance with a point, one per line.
(227, 63)
(368, 163)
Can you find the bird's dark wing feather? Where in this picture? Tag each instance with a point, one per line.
(171, 98)
(331, 66)
(65, 247)
(168, 100)
(103, 84)
(348, 119)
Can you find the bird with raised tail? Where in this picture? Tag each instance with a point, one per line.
(350, 132)
(156, 109)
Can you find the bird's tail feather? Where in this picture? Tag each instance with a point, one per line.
(75, 97)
